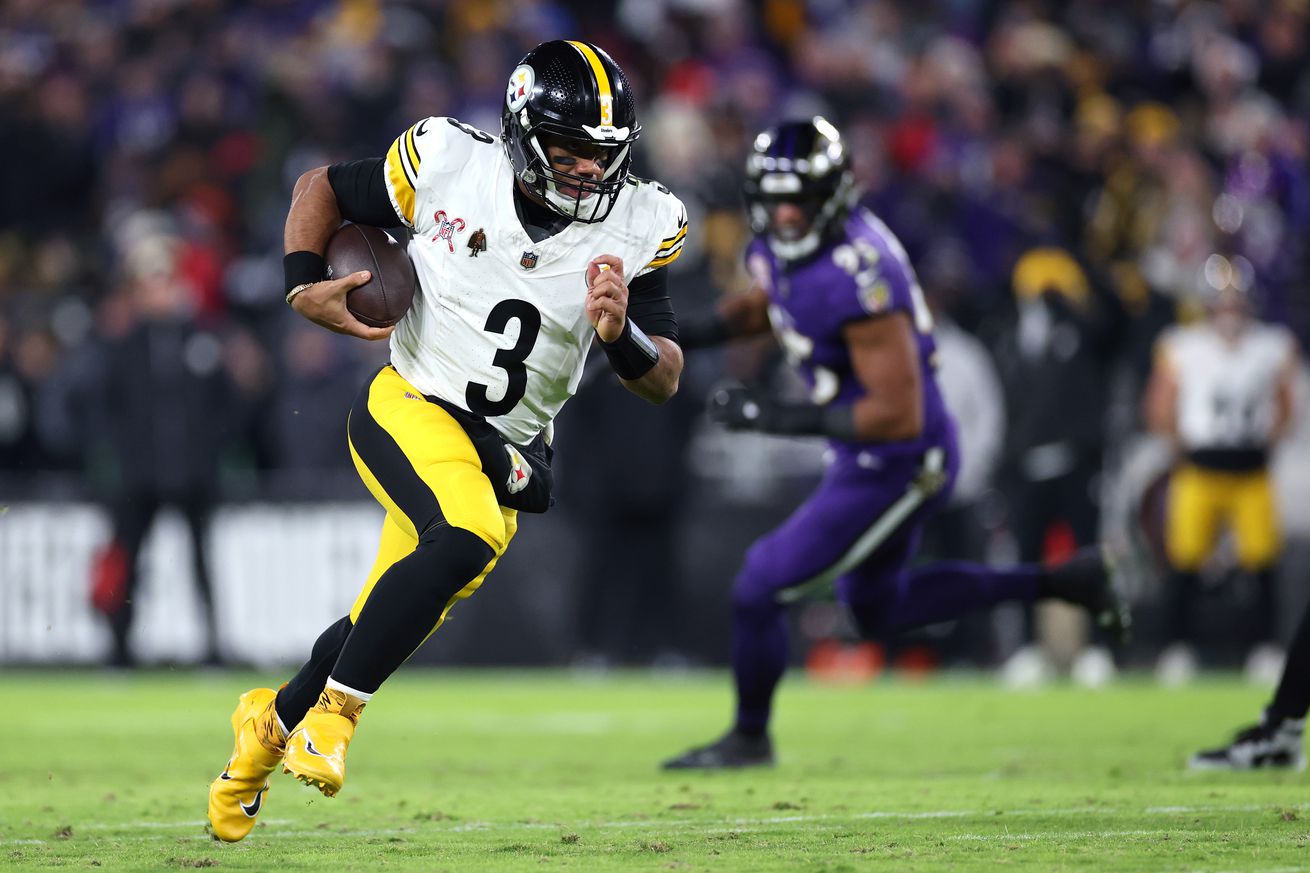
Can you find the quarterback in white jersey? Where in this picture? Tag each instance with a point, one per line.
(528, 248)
(1222, 391)
(499, 328)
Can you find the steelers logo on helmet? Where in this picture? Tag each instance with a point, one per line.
(520, 87)
(802, 163)
(575, 99)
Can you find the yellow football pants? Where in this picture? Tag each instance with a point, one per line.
(1203, 502)
(420, 465)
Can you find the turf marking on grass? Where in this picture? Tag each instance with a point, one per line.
(1230, 870)
(724, 824)
(1248, 807)
(199, 823)
(1060, 835)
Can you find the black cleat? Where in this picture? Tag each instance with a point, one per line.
(1278, 746)
(730, 751)
(1087, 580)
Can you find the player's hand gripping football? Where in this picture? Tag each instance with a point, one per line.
(324, 303)
(737, 407)
(607, 297)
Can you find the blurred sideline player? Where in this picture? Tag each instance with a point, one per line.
(1053, 355)
(1278, 740)
(836, 288)
(1222, 392)
(452, 436)
(157, 408)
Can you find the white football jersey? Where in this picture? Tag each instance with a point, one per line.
(499, 327)
(1227, 390)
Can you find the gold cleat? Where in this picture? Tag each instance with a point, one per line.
(237, 795)
(316, 748)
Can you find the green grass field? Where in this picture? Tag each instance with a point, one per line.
(541, 771)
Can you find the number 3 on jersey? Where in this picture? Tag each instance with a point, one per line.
(510, 360)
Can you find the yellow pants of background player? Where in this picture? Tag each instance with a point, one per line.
(418, 463)
(1202, 502)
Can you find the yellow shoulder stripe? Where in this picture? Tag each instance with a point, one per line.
(398, 180)
(402, 172)
(665, 260)
(672, 240)
(412, 151)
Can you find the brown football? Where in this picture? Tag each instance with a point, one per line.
(385, 298)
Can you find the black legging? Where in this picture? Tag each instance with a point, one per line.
(1292, 699)
(132, 516)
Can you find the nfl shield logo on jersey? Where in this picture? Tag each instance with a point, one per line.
(876, 297)
(528, 261)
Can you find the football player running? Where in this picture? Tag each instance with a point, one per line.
(1277, 741)
(837, 290)
(452, 436)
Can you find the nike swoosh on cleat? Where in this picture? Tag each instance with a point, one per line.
(225, 776)
(309, 747)
(252, 809)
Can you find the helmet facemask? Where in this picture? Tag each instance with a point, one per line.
(576, 197)
(819, 211)
(572, 95)
(804, 164)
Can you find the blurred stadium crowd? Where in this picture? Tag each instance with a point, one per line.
(1092, 154)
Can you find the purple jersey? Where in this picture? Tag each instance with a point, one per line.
(862, 274)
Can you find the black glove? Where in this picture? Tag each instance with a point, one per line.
(737, 407)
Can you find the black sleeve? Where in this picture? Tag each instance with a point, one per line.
(361, 192)
(649, 305)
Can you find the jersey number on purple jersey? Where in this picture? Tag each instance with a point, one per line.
(798, 349)
(859, 258)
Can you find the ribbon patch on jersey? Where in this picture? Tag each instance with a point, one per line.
(447, 228)
(520, 471)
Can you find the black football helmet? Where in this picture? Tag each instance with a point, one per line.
(801, 162)
(573, 90)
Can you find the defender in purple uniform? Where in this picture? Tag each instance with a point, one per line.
(836, 288)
